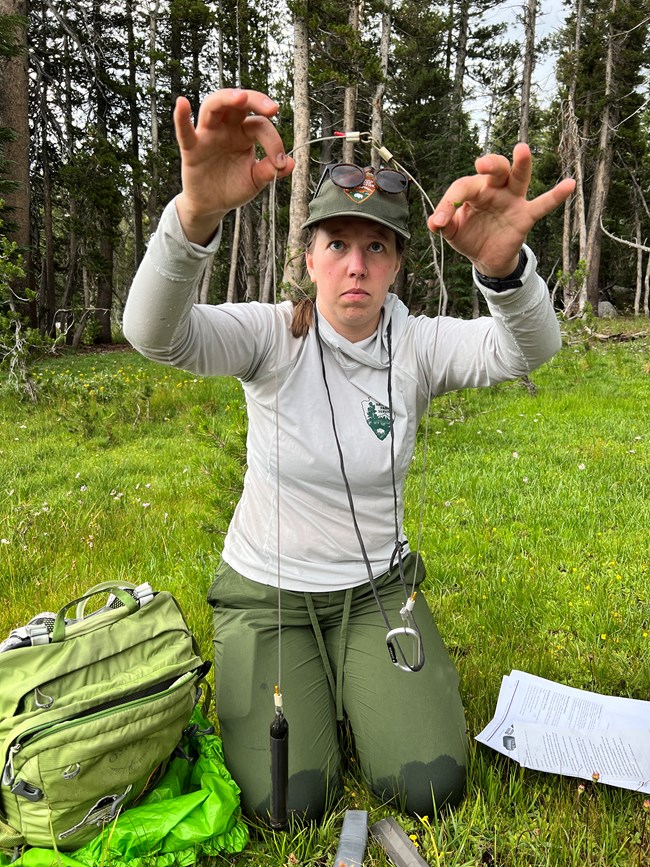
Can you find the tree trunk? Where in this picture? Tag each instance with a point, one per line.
(530, 17)
(104, 304)
(134, 119)
(250, 260)
(639, 263)
(572, 155)
(71, 271)
(231, 295)
(327, 122)
(152, 205)
(600, 186)
(459, 69)
(14, 115)
(263, 258)
(204, 286)
(300, 177)
(48, 288)
(377, 125)
(350, 96)
(175, 65)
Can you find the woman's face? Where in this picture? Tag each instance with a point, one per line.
(353, 262)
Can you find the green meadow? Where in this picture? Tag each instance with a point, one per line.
(532, 504)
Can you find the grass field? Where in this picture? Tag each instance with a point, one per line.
(534, 530)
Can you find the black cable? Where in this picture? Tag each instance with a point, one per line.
(398, 544)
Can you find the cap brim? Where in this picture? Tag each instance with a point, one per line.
(312, 221)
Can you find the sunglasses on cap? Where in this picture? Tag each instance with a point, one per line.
(348, 176)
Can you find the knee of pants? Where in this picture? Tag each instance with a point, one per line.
(422, 788)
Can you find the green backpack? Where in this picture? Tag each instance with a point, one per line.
(91, 709)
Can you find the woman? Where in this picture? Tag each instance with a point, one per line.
(334, 393)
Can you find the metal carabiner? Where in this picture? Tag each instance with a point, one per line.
(410, 630)
(414, 637)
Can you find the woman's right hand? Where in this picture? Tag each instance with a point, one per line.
(219, 167)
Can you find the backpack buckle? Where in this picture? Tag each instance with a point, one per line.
(21, 789)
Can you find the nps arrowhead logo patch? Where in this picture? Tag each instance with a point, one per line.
(378, 418)
(363, 191)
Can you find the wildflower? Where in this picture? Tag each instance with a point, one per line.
(581, 788)
(646, 805)
(515, 455)
(83, 488)
(582, 467)
(603, 635)
(595, 776)
(414, 839)
(4, 541)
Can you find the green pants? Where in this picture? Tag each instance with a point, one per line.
(408, 727)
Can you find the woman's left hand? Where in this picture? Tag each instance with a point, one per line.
(486, 216)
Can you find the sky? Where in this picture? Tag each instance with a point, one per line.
(549, 20)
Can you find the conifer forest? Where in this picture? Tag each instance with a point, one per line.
(88, 157)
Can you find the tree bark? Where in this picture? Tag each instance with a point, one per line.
(600, 186)
(250, 260)
(204, 286)
(459, 69)
(377, 124)
(530, 18)
(572, 155)
(104, 303)
(231, 295)
(152, 205)
(351, 90)
(263, 258)
(134, 120)
(14, 115)
(300, 178)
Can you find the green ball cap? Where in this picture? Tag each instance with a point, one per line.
(366, 201)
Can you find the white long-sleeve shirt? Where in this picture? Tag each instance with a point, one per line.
(319, 549)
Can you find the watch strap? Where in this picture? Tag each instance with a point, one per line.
(512, 281)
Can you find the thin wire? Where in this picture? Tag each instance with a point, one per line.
(274, 278)
(367, 139)
(425, 443)
(405, 665)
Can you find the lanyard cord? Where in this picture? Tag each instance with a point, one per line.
(410, 627)
(412, 630)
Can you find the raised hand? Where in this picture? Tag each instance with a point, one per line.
(219, 166)
(486, 216)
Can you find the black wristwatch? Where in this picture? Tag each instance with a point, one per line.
(512, 281)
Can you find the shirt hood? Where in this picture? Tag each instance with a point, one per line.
(373, 351)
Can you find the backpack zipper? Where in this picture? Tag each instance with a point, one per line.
(106, 709)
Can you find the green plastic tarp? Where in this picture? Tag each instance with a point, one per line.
(193, 811)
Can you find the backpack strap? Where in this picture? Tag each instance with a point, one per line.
(130, 604)
(142, 592)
